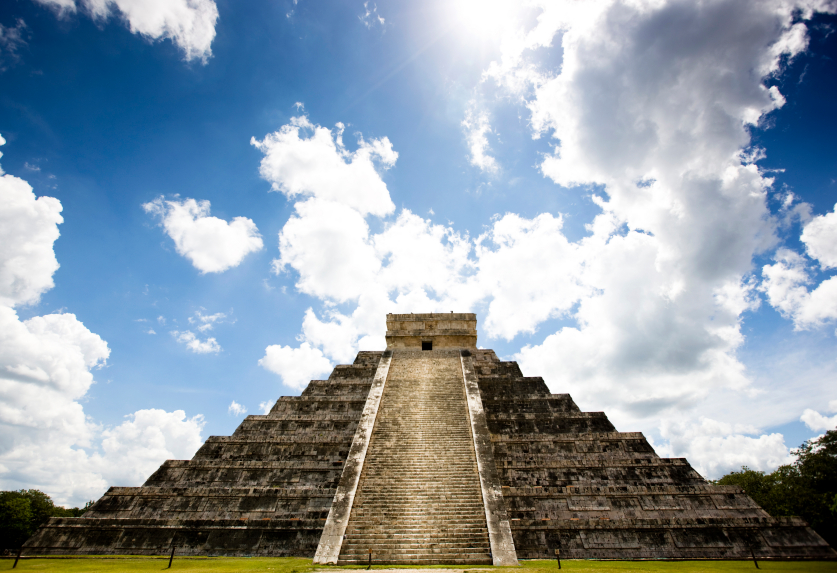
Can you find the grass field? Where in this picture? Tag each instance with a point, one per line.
(291, 565)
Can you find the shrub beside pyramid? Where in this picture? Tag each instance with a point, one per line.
(432, 451)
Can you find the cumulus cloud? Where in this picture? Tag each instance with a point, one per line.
(818, 422)
(717, 448)
(656, 113)
(266, 406)
(296, 366)
(820, 238)
(190, 24)
(476, 126)
(786, 282)
(651, 106)
(327, 243)
(212, 244)
(133, 450)
(786, 285)
(536, 248)
(236, 409)
(195, 344)
(321, 167)
(28, 228)
(46, 370)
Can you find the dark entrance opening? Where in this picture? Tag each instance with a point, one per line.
(426, 345)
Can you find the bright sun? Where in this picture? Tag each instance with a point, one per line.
(483, 18)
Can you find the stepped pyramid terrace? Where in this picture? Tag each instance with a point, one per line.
(432, 451)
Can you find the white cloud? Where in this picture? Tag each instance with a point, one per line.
(190, 24)
(236, 409)
(151, 331)
(266, 406)
(46, 370)
(715, 448)
(337, 338)
(133, 450)
(818, 422)
(785, 284)
(212, 244)
(476, 126)
(296, 366)
(370, 16)
(206, 322)
(11, 40)
(28, 228)
(328, 244)
(320, 166)
(655, 116)
(537, 249)
(820, 238)
(195, 344)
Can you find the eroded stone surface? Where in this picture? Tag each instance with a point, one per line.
(572, 482)
(331, 539)
(439, 330)
(419, 499)
(499, 529)
(265, 490)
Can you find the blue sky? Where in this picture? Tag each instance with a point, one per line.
(637, 198)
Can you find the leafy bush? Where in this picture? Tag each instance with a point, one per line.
(23, 512)
(807, 488)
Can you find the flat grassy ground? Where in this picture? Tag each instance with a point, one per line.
(292, 565)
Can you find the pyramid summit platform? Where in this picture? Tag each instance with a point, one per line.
(430, 452)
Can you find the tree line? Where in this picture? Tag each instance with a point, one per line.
(806, 488)
(22, 512)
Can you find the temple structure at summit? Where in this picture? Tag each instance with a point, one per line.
(432, 451)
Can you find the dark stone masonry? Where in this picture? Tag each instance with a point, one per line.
(450, 456)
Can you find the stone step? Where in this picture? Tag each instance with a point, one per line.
(380, 504)
(451, 507)
(383, 534)
(405, 543)
(368, 525)
(430, 532)
(460, 508)
(419, 498)
(414, 549)
(452, 559)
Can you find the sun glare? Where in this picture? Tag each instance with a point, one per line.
(483, 18)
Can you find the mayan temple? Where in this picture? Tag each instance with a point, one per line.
(433, 451)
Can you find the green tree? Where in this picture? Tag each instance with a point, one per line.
(15, 519)
(23, 512)
(807, 488)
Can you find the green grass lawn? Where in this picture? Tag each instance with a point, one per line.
(292, 565)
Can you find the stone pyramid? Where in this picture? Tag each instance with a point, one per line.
(432, 451)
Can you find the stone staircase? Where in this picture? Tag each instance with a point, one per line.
(419, 499)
